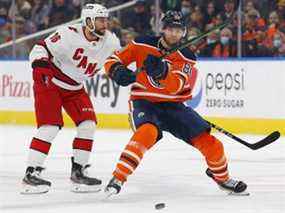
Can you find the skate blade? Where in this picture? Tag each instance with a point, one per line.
(109, 193)
(245, 193)
(30, 190)
(82, 188)
(231, 193)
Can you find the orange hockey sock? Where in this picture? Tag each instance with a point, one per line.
(143, 139)
(213, 151)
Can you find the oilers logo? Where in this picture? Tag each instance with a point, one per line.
(155, 83)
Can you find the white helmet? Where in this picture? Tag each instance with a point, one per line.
(91, 12)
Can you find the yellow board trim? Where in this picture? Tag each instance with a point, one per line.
(120, 121)
(113, 121)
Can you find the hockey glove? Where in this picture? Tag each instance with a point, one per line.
(42, 72)
(43, 62)
(155, 67)
(122, 75)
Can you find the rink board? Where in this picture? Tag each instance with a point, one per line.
(242, 96)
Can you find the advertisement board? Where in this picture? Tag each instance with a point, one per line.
(242, 89)
(230, 92)
(16, 90)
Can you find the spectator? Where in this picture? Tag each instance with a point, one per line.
(210, 13)
(59, 13)
(39, 14)
(4, 25)
(127, 37)
(75, 8)
(219, 19)
(197, 18)
(249, 6)
(249, 44)
(273, 25)
(153, 19)
(281, 9)
(115, 26)
(211, 42)
(21, 6)
(22, 49)
(186, 7)
(279, 45)
(226, 47)
(229, 8)
(170, 5)
(192, 33)
(138, 18)
(254, 37)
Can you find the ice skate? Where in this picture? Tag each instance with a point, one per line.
(33, 183)
(81, 183)
(114, 187)
(231, 186)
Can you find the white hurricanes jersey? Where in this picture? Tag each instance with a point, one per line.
(74, 55)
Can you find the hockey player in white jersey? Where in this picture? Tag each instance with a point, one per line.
(61, 63)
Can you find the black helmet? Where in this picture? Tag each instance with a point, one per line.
(173, 19)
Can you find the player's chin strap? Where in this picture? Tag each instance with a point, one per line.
(95, 33)
(93, 29)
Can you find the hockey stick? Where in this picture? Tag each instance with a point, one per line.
(264, 142)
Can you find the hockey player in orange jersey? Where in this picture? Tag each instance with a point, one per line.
(156, 104)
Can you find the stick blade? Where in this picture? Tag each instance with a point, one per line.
(268, 140)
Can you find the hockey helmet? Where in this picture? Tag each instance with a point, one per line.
(173, 19)
(91, 12)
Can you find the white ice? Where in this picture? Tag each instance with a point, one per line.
(172, 173)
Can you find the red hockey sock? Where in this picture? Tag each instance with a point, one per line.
(39, 150)
(81, 150)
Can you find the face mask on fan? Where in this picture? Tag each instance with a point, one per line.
(185, 11)
(210, 41)
(225, 40)
(277, 43)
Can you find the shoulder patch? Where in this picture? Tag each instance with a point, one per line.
(149, 40)
(187, 53)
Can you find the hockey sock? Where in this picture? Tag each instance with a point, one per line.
(213, 151)
(40, 145)
(38, 152)
(81, 150)
(82, 144)
(142, 140)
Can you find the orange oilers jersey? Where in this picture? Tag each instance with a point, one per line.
(177, 85)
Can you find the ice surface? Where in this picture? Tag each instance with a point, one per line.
(172, 172)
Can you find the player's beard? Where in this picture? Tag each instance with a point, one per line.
(170, 45)
(99, 33)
